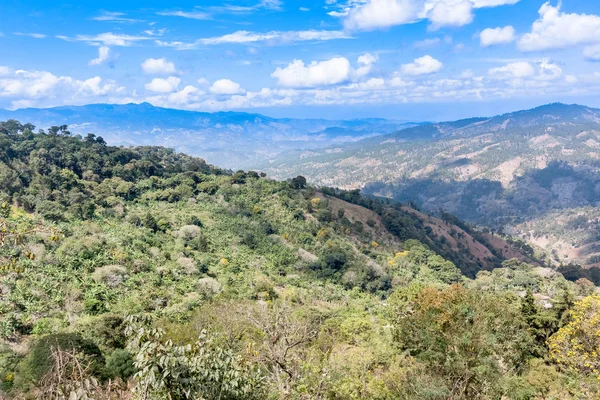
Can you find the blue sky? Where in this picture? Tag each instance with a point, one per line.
(404, 59)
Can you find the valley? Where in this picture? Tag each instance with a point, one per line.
(508, 173)
(230, 139)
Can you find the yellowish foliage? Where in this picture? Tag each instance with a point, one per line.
(576, 346)
(323, 233)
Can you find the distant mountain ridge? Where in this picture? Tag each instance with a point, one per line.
(549, 114)
(228, 139)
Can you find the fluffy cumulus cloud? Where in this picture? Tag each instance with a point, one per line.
(422, 66)
(449, 13)
(317, 73)
(186, 95)
(521, 69)
(42, 88)
(158, 66)
(540, 70)
(334, 71)
(103, 56)
(160, 85)
(375, 14)
(556, 29)
(226, 87)
(186, 98)
(365, 62)
(494, 36)
(380, 14)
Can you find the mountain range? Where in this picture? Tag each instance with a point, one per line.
(230, 139)
(532, 173)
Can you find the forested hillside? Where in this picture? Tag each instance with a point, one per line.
(534, 174)
(143, 273)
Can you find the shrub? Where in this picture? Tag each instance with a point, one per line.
(106, 330)
(39, 361)
(200, 370)
(189, 232)
(208, 287)
(187, 265)
(111, 275)
(119, 365)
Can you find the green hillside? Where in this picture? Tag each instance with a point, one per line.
(143, 273)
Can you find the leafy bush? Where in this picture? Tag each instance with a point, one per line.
(119, 365)
(39, 360)
(198, 370)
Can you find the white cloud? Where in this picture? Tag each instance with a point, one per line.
(44, 88)
(160, 85)
(157, 32)
(520, 69)
(493, 3)
(376, 14)
(203, 82)
(186, 14)
(422, 66)
(241, 37)
(185, 95)
(380, 14)
(103, 56)
(236, 9)
(114, 17)
(226, 86)
(427, 42)
(185, 98)
(555, 29)
(106, 39)
(493, 36)
(94, 87)
(399, 82)
(365, 63)
(4, 70)
(592, 53)
(548, 70)
(158, 66)
(450, 13)
(33, 35)
(322, 73)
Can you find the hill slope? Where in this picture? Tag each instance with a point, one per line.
(143, 269)
(504, 172)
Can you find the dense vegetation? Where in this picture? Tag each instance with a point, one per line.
(142, 273)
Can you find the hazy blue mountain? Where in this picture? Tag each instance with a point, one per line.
(547, 115)
(228, 139)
